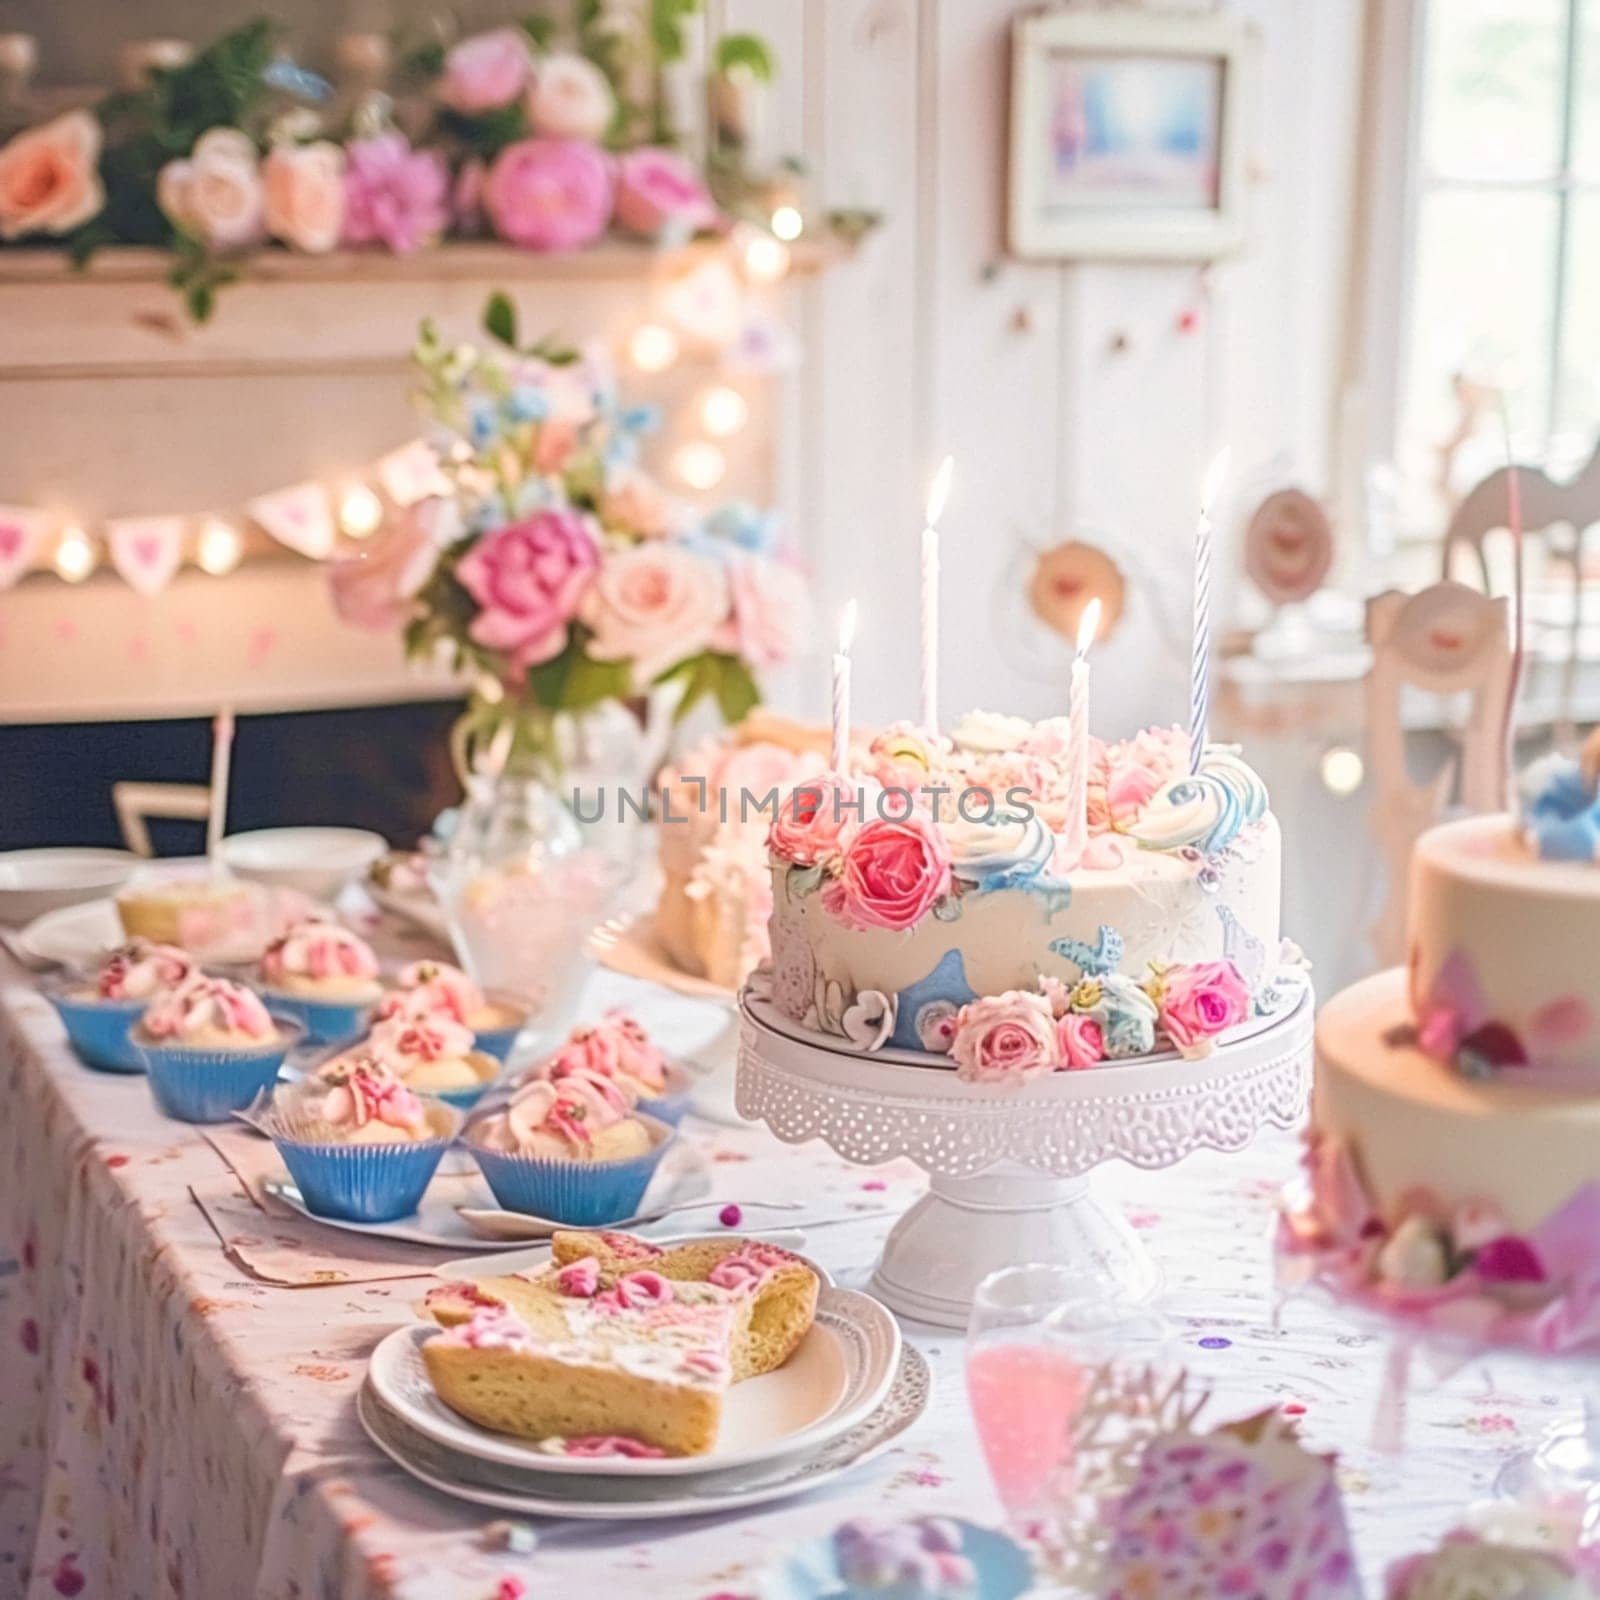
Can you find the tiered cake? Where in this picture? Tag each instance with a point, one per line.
(1456, 1124)
(959, 897)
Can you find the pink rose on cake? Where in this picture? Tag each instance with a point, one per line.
(1006, 1038)
(528, 580)
(891, 875)
(1080, 1041)
(813, 820)
(1201, 1001)
(654, 605)
(658, 189)
(549, 194)
(1124, 777)
(486, 71)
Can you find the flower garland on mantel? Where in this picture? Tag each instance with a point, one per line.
(502, 134)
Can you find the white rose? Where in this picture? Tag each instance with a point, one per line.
(216, 194)
(570, 98)
(991, 732)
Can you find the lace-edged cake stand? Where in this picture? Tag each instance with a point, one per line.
(1010, 1169)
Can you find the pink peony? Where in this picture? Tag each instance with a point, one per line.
(892, 874)
(50, 177)
(812, 820)
(1199, 1002)
(771, 611)
(654, 605)
(1079, 1041)
(658, 189)
(549, 194)
(374, 585)
(394, 195)
(528, 580)
(486, 71)
(303, 186)
(1005, 1038)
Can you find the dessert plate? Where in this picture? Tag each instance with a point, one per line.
(836, 1378)
(629, 945)
(36, 882)
(643, 1498)
(74, 936)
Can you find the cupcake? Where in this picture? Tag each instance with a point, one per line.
(194, 913)
(359, 1144)
(435, 988)
(619, 1049)
(572, 1149)
(325, 975)
(433, 1055)
(210, 1048)
(99, 1012)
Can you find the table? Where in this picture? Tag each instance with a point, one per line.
(171, 1427)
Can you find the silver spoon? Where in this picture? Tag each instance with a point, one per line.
(520, 1225)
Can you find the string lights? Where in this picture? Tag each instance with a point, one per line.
(723, 411)
(219, 549)
(76, 556)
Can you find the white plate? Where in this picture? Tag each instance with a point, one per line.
(629, 945)
(75, 936)
(317, 861)
(837, 1376)
(681, 1178)
(33, 882)
(633, 1499)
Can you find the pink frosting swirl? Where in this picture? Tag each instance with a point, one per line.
(206, 1008)
(593, 1445)
(748, 1266)
(402, 1043)
(1124, 777)
(369, 1092)
(638, 1291)
(316, 949)
(572, 1110)
(433, 986)
(579, 1280)
(615, 1048)
(140, 970)
(892, 874)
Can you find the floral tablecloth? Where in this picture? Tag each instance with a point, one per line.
(170, 1426)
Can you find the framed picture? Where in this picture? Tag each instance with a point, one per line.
(1126, 135)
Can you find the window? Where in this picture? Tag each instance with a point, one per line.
(1502, 256)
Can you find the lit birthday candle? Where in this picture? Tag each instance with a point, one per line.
(1200, 666)
(1508, 731)
(841, 686)
(938, 494)
(1078, 736)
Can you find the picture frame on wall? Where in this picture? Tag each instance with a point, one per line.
(1127, 136)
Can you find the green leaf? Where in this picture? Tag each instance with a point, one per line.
(541, 31)
(500, 318)
(746, 51)
(572, 682)
(724, 677)
(736, 691)
(803, 881)
(489, 132)
(667, 19)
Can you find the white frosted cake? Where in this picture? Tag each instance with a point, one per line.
(940, 899)
(1455, 1140)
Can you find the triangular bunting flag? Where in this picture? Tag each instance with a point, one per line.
(412, 473)
(707, 302)
(146, 550)
(300, 517)
(22, 532)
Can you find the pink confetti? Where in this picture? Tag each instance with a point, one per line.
(262, 643)
(186, 631)
(730, 1216)
(510, 1589)
(66, 629)
(138, 648)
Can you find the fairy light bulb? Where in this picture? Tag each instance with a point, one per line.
(766, 260)
(787, 223)
(723, 411)
(1342, 770)
(75, 555)
(653, 347)
(699, 464)
(360, 512)
(220, 548)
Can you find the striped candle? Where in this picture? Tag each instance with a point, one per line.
(938, 493)
(1078, 738)
(841, 688)
(1200, 654)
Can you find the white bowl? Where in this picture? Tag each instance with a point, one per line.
(317, 861)
(33, 882)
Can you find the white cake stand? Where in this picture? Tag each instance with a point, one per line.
(1010, 1168)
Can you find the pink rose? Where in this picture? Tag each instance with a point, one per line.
(658, 189)
(570, 98)
(1201, 1001)
(633, 501)
(528, 580)
(487, 71)
(50, 177)
(654, 605)
(771, 611)
(549, 194)
(812, 820)
(1005, 1038)
(215, 194)
(892, 874)
(374, 585)
(1079, 1041)
(303, 187)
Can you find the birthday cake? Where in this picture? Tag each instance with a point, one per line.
(1455, 1143)
(1019, 898)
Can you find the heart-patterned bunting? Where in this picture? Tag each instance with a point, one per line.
(146, 550)
(300, 517)
(412, 473)
(22, 532)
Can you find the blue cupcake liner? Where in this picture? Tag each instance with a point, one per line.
(210, 1085)
(362, 1182)
(580, 1194)
(498, 1042)
(325, 1021)
(98, 1030)
(669, 1107)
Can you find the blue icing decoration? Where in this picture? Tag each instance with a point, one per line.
(1558, 810)
(1013, 866)
(1206, 810)
(1093, 960)
(947, 983)
(1241, 947)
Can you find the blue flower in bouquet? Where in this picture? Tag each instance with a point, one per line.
(483, 426)
(736, 526)
(527, 404)
(640, 419)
